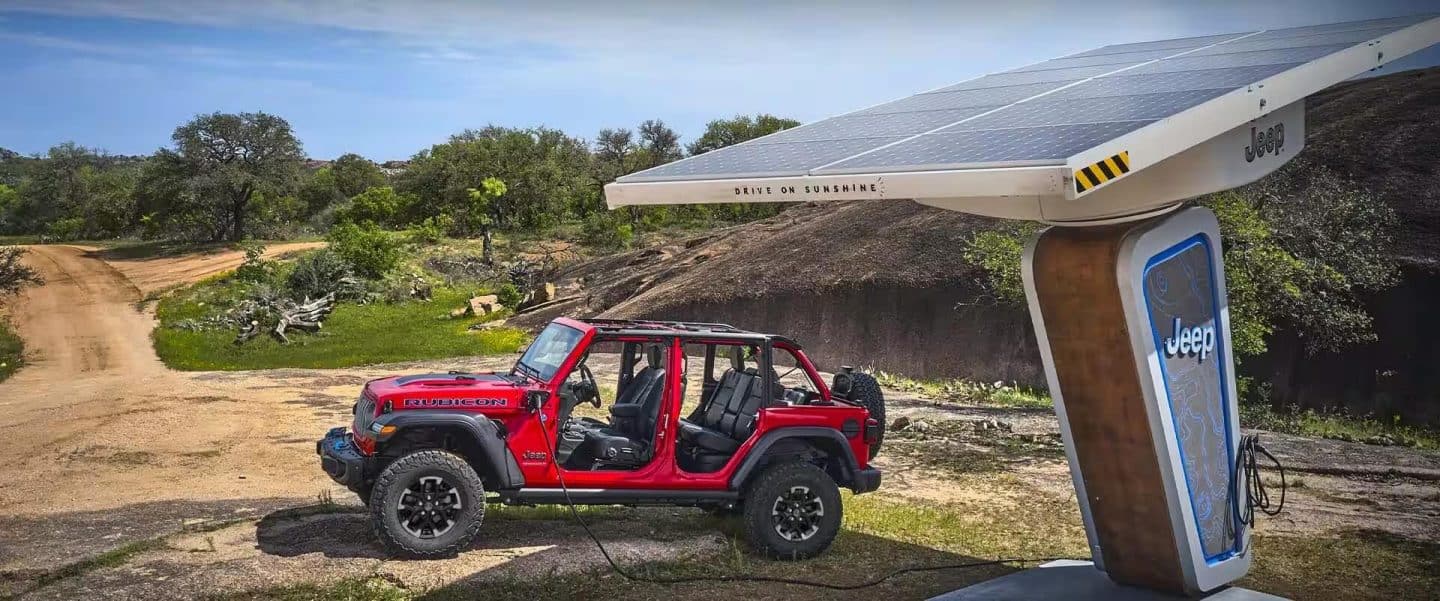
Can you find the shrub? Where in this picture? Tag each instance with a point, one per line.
(255, 268)
(606, 230)
(509, 295)
(15, 275)
(382, 206)
(431, 231)
(67, 229)
(320, 273)
(369, 250)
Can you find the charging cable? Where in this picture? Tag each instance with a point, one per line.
(1257, 497)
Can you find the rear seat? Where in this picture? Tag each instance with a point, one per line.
(729, 418)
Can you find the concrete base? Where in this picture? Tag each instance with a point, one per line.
(1077, 581)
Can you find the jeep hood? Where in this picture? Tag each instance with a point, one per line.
(447, 390)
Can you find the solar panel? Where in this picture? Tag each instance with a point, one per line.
(1018, 143)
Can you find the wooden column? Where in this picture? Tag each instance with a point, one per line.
(1077, 292)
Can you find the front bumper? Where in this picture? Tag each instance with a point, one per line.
(340, 459)
(866, 480)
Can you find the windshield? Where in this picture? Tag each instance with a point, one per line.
(549, 350)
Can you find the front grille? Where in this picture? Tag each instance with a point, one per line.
(364, 414)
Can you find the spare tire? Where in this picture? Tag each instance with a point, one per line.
(866, 391)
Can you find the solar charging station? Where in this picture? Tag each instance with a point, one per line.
(1127, 290)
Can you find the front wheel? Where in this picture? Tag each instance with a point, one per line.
(427, 504)
(792, 511)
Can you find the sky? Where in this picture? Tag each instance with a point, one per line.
(389, 78)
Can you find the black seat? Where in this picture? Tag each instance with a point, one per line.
(627, 440)
(728, 418)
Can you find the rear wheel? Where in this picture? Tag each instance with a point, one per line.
(427, 504)
(792, 511)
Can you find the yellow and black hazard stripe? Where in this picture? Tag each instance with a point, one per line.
(1098, 173)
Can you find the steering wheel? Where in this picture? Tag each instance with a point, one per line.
(592, 389)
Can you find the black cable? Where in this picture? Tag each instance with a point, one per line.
(560, 475)
(1247, 466)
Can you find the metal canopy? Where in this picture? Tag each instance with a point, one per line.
(1107, 133)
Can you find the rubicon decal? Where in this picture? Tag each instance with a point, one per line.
(418, 403)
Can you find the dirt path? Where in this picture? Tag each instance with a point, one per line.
(96, 422)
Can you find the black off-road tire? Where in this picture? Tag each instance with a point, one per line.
(773, 492)
(408, 471)
(866, 391)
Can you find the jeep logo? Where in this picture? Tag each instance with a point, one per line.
(1190, 341)
(1269, 141)
(419, 403)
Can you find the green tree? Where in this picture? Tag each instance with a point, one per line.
(997, 253)
(224, 159)
(725, 132)
(108, 205)
(9, 201)
(1301, 248)
(354, 174)
(319, 190)
(658, 144)
(545, 172)
(481, 213)
(381, 206)
(371, 251)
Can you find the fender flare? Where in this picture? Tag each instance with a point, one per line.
(486, 434)
(768, 440)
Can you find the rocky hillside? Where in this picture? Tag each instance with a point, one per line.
(884, 284)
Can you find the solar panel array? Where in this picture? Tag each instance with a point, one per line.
(1040, 114)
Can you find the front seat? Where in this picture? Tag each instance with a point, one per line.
(627, 440)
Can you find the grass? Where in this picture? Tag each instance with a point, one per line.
(998, 394)
(352, 335)
(12, 350)
(1338, 426)
(109, 559)
(1356, 564)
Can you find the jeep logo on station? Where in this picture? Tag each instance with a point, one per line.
(417, 403)
(1269, 141)
(1199, 340)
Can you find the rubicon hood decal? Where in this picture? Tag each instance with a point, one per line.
(426, 403)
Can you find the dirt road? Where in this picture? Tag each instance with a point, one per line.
(96, 422)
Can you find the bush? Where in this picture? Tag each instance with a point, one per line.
(998, 252)
(67, 229)
(370, 251)
(320, 273)
(15, 275)
(510, 296)
(380, 205)
(255, 268)
(431, 231)
(606, 230)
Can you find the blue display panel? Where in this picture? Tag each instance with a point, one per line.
(1182, 299)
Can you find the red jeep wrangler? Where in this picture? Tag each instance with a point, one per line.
(424, 451)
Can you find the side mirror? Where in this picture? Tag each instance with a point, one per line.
(535, 399)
